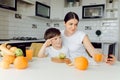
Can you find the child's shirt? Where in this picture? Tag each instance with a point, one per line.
(51, 52)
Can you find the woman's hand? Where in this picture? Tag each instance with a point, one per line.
(111, 60)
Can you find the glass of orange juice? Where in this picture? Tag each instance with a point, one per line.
(29, 53)
(98, 57)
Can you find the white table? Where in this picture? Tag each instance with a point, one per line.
(44, 69)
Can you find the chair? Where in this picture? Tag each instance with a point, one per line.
(36, 47)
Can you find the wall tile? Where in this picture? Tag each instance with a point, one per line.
(13, 27)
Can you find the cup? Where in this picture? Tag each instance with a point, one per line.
(98, 57)
(29, 53)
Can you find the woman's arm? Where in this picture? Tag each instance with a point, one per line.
(89, 47)
(91, 50)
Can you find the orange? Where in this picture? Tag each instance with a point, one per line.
(29, 54)
(81, 63)
(20, 62)
(4, 64)
(98, 57)
(9, 58)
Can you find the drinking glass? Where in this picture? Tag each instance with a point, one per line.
(29, 53)
(98, 57)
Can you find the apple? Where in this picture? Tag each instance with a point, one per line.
(62, 56)
(19, 52)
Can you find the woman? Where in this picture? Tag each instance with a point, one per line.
(77, 41)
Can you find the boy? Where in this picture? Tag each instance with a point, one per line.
(53, 44)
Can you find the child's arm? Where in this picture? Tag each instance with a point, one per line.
(43, 49)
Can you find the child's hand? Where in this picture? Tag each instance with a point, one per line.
(47, 43)
(67, 61)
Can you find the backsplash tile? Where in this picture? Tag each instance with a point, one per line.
(14, 27)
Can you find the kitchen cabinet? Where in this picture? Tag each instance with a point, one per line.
(97, 45)
(39, 9)
(77, 10)
(9, 4)
(71, 6)
(74, 6)
(111, 10)
(72, 3)
(57, 8)
(47, 2)
(32, 2)
(30, 10)
(61, 7)
(93, 2)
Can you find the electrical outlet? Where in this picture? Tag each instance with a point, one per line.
(88, 28)
(48, 24)
(56, 25)
(34, 26)
(18, 16)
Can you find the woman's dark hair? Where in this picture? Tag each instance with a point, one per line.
(51, 32)
(71, 15)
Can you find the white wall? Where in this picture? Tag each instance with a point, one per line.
(13, 27)
(4, 23)
(119, 31)
(109, 29)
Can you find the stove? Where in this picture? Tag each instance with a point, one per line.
(24, 38)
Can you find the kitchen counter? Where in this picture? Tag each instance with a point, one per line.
(44, 69)
(103, 41)
(22, 41)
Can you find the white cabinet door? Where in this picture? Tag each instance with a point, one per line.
(93, 2)
(77, 10)
(29, 1)
(30, 10)
(57, 8)
(47, 2)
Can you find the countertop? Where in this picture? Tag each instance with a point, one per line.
(45, 69)
(22, 41)
(104, 41)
